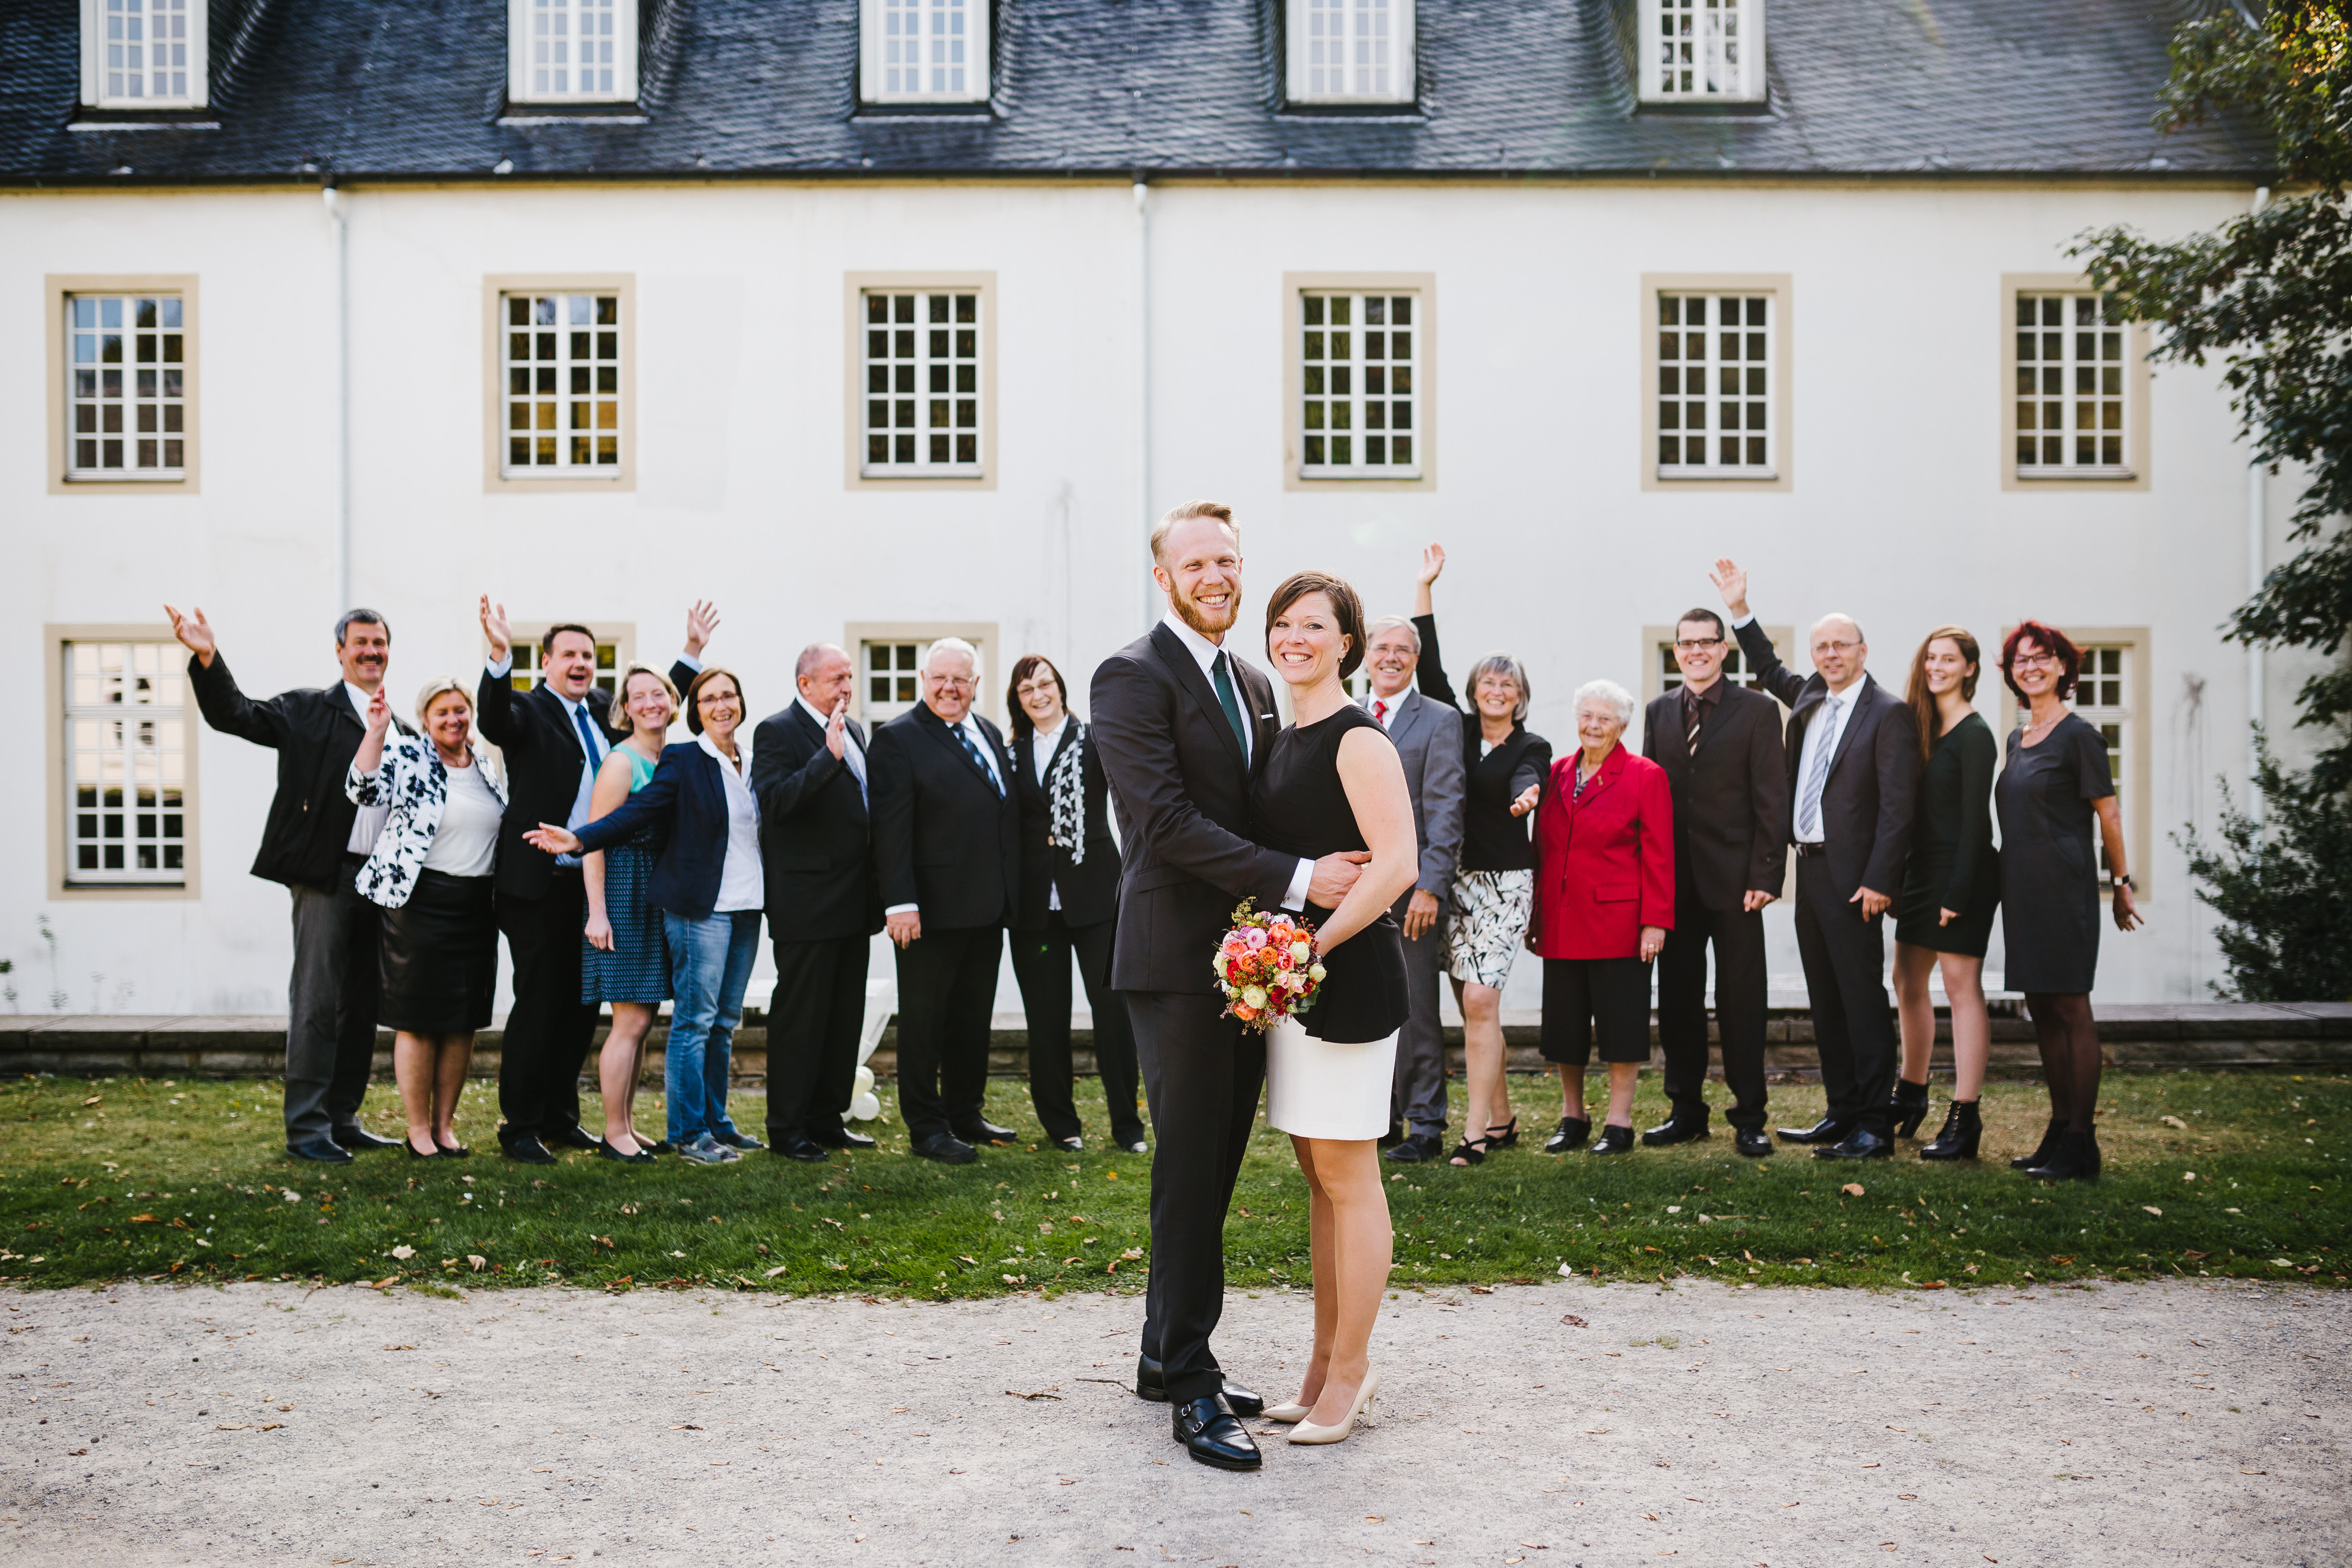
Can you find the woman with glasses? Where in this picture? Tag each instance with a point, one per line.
(2056, 783)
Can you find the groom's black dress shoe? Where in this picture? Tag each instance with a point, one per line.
(1212, 1435)
(982, 1130)
(572, 1137)
(1149, 1385)
(827, 1134)
(1828, 1130)
(1417, 1149)
(359, 1140)
(1860, 1143)
(1751, 1142)
(945, 1150)
(1675, 1129)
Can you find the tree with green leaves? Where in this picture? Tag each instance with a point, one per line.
(2270, 293)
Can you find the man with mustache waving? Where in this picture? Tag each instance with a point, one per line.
(1181, 726)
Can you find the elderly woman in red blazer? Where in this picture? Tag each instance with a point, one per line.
(1604, 901)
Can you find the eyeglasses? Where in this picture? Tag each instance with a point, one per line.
(954, 682)
(2035, 661)
(1693, 645)
(1033, 688)
(1835, 646)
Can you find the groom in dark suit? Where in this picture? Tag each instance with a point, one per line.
(1181, 725)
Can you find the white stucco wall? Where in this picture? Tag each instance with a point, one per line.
(1897, 513)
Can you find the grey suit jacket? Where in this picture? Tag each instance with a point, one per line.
(1428, 738)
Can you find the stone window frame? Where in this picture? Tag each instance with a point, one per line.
(57, 289)
(2140, 381)
(55, 639)
(1783, 362)
(496, 479)
(1296, 287)
(854, 288)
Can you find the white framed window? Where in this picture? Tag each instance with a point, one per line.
(2072, 377)
(1360, 399)
(572, 51)
(1715, 388)
(143, 54)
(924, 394)
(126, 390)
(126, 818)
(1702, 51)
(1351, 51)
(560, 367)
(923, 51)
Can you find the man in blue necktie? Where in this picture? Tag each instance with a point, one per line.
(947, 854)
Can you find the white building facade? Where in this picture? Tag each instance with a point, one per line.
(875, 405)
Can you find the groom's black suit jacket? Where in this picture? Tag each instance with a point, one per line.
(1181, 788)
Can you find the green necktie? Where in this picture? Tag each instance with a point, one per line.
(1225, 695)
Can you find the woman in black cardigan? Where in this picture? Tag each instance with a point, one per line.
(1504, 764)
(1068, 895)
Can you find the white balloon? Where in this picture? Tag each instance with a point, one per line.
(865, 1108)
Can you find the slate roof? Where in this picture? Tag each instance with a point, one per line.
(391, 89)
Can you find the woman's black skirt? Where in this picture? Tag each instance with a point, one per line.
(440, 957)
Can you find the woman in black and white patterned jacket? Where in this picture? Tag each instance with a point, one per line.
(431, 872)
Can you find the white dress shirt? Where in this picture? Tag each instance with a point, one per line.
(1384, 709)
(740, 885)
(367, 821)
(1827, 725)
(852, 751)
(1204, 653)
(1041, 755)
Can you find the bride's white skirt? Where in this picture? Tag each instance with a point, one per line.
(1314, 1088)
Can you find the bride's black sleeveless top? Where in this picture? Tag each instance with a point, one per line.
(1298, 806)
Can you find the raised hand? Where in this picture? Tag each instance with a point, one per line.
(1730, 580)
(379, 713)
(701, 622)
(1433, 562)
(195, 633)
(554, 839)
(494, 629)
(836, 729)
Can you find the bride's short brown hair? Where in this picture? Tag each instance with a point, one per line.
(1349, 608)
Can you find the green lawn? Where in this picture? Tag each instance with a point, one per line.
(118, 1178)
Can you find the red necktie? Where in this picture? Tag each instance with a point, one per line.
(1380, 710)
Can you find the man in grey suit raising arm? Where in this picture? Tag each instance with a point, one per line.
(1428, 740)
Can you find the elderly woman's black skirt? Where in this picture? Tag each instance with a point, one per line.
(440, 957)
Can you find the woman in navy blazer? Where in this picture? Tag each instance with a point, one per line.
(710, 888)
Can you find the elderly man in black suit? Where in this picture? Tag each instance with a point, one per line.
(947, 853)
(1852, 765)
(810, 775)
(1720, 745)
(554, 738)
(1183, 723)
(1428, 738)
(314, 840)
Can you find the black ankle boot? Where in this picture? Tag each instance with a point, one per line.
(1963, 1128)
(2075, 1159)
(1906, 1109)
(2042, 1150)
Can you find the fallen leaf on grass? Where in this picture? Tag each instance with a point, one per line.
(2175, 1121)
(2151, 1208)
(404, 1252)
(1852, 1189)
(400, 1347)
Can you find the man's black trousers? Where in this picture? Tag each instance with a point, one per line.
(1740, 1000)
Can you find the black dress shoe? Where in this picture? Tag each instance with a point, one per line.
(741, 1139)
(1675, 1129)
(1416, 1149)
(1751, 1142)
(1860, 1143)
(795, 1147)
(827, 1134)
(983, 1130)
(1134, 1145)
(1828, 1130)
(323, 1151)
(1570, 1134)
(572, 1137)
(1391, 1138)
(359, 1140)
(1149, 1384)
(1212, 1436)
(528, 1151)
(1072, 1145)
(1613, 1140)
(947, 1149)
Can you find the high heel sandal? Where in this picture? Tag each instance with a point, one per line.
(1467, 1153)
(1907, 1107)
(1508, 1137)
(1308, 1432)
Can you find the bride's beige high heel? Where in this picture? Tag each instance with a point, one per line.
(1308, 1432)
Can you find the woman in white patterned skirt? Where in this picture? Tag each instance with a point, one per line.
(1504, 764)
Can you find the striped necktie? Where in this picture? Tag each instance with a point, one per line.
(1808, 797)
(978, 761)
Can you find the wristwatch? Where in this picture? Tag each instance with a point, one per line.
(2123, 882)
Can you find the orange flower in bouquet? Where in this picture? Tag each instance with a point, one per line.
(1267, 967)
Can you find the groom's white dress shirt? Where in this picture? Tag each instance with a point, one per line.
(1204, 654)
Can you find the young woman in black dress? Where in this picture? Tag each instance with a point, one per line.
(2056, 783)
(1949, 890)
(1330, 783)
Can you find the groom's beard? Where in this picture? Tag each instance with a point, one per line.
(1209, 624)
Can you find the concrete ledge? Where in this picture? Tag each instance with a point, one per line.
(2192, 1034)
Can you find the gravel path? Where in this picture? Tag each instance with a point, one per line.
(2166, 1422)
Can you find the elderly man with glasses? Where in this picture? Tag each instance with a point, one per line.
(1720, 745)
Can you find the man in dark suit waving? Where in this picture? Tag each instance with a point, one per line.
(1720, 745)
(1182, 725)
(809, 774)
(1852, 765)
(947, 851)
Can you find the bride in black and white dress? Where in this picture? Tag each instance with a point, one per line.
(1328, 783)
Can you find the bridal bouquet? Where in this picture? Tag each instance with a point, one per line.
(1266, 966)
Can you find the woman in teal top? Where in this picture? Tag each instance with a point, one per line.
(625, 960)
(1950, 887)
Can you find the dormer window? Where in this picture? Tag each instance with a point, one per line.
(1351, 51)
(1702, 51)
(924, 51)
(572, 51)
(143, 54)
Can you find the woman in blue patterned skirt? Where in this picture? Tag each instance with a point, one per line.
(627, 959)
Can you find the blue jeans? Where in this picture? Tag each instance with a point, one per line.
(710, 966)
